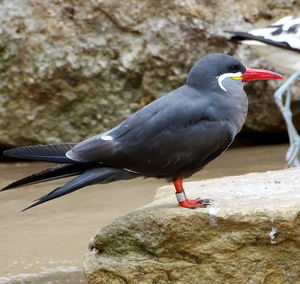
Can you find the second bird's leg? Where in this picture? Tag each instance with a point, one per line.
(184, 201)
(291, 155)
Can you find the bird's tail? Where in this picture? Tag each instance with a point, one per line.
(57, 172)
(88, 174)
(91, 176)
(48, 153)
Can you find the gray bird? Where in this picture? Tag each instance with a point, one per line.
(173, 137)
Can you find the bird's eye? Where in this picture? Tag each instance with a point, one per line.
(234, 68)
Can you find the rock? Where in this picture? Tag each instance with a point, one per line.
(71, 69)
(251, 234)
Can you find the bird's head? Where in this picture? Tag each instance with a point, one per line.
(218, 70)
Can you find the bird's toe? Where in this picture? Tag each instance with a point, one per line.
(195, 203)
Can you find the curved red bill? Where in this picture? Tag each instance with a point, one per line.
(259, 74)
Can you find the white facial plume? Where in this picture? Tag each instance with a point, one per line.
(235, 76)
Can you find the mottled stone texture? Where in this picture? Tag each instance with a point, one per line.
(251, 234)
(70, 69)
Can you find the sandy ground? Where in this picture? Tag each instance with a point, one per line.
(50, 240)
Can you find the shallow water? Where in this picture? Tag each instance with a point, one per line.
(47, 244)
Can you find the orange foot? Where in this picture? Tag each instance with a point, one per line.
(195, 203)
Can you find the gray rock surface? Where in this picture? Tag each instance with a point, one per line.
(71, 69)
(251, 234)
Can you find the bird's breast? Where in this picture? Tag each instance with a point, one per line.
(239, 111)
(233, 108)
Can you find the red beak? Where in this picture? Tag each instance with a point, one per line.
(259, 74)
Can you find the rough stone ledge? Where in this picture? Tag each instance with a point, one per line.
(251, 234)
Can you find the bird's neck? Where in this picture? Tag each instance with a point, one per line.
(238, 103)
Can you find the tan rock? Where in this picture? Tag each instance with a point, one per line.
(71, 69)
(251, 234)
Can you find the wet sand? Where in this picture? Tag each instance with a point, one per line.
(48, 242)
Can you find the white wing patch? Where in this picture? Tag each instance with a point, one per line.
(131, 171)
(72, 156)
(253, 42)
(227, 75)
(107, 138)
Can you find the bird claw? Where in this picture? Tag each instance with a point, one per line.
(201, 201)
(195, 203)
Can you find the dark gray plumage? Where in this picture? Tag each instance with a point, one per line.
(180, 132)
(172, 137)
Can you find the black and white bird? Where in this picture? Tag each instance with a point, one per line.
(279, 44)
(173, 137)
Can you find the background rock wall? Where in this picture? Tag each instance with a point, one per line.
(71, 69)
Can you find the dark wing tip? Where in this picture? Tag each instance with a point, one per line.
(8, 153)
(10, 186)
(238, 35)
(49, 196)
(25, 209)
(60, 171)
(32, 205)
(48, 153)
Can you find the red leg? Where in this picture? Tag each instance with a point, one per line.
(184, 201)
